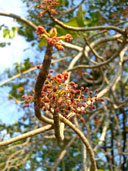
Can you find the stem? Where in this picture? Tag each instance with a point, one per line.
(83, 138)
(39, 84)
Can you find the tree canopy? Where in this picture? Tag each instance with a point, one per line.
(73, 93)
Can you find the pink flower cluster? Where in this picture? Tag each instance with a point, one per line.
(40, 30)
(65, 98)
(56, 43)
(52, 37)
(48, 5)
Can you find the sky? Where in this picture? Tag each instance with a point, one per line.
(9, 55)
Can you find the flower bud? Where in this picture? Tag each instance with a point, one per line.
(53, 32)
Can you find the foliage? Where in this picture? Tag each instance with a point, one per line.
(97, 60)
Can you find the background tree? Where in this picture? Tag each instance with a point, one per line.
(97, 59)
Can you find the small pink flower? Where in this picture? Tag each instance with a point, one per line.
(68, 38)
(102, 99)
(90, 92)
(38, 66)
(65, 74)
(59, 78)
(26, 105)
(60, 100)
(40, 30)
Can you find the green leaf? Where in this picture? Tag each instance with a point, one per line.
(63, 3)
(6, 33)
(43, 42)
(61, 31)
(12, 34)
(95, 16)
(2, 44)
(9, 34)
(80, 17)
(72, 22)
(86, 22)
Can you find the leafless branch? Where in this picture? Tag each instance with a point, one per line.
(26, 135)
(24, 20)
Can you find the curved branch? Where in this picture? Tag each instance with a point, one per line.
(57, 127)
(83, 138)
(93, 51)
(72, 63)
(29, 23)
(26, 135)
(86, 28)
(39, 84)
(63, 12)
(102, 63)
(92, 81)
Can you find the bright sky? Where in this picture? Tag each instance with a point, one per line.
(9, 55)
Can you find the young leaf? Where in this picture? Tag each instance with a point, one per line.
(80, 17)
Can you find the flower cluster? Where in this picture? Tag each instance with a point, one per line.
(52, 37)
(48, 5)
(65, 98)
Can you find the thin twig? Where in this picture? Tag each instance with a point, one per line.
(93, 51)
(29, 70)
(62, 154)
(29, 23)
(26, 135)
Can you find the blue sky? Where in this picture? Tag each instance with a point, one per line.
(9, 55)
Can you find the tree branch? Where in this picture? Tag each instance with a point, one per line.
(83, 138)
(57, 127)
(26, 135)
(29, 23)
(86, 28)
(102, 63)
(39, 84)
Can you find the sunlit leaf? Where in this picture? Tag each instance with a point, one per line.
(80, 17)
(43, 42)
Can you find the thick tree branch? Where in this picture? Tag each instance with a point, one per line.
(57, 127)
(39, 84)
